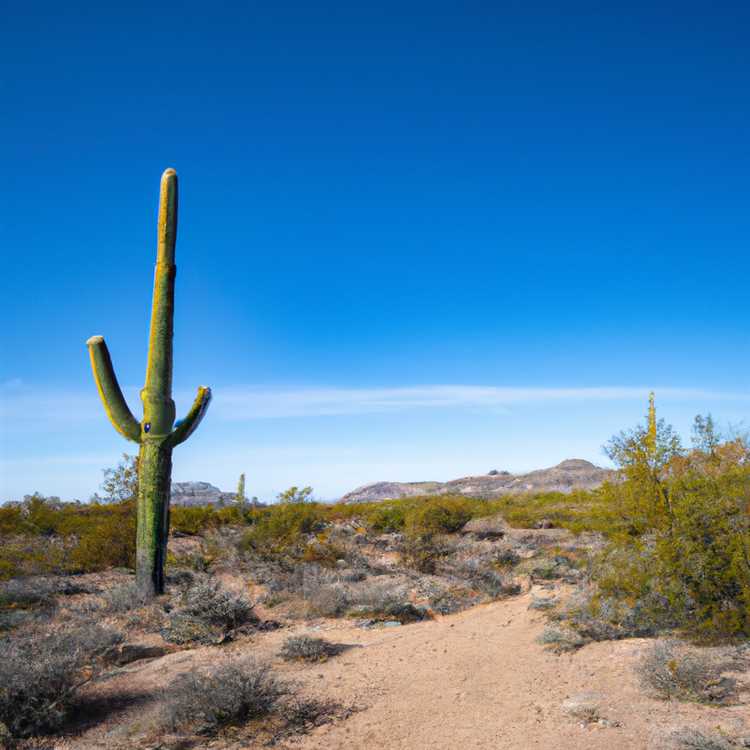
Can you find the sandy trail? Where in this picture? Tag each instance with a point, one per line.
(475, 680)
(479, 680)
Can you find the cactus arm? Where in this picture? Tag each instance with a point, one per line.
(184, 428)
(109, 390)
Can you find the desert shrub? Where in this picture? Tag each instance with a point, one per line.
(191, 519)
(670, 670)
(124, 599)
(493, 584)
(597, 617)
(324, 552)
(326, 599)
(36, 591)
(39, 675)
(12, 520)
(679, 529)
(544, 603)
(231, 694)
(386, 518)
(694, 563)
(452, 600)
(209, 602)
(560, 639)
(107, 542)
(422, 552)
(196, 519)
(379, 600)
(207, 613)
(33, 556)
(438, 516)
(306, 648)
(53, 537)
(282, 527)
(694, 739)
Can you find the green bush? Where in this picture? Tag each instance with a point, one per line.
(438, 516)
(385, 518)
(679, 533)
(281, 528)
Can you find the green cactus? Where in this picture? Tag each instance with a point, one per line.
(157, 433)
(241, 492)
(651, 439)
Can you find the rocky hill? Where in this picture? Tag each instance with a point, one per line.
(573, 474)
(199, 493)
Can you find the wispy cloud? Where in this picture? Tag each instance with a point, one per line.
(245, 403)
(21, 404)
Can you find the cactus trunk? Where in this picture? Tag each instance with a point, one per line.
(157, 433)
(154, 482)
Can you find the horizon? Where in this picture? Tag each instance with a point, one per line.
(412, 245)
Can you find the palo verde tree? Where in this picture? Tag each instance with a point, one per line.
(643, 456)
(157, 433)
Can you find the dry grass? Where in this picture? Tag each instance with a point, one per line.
(671, 670)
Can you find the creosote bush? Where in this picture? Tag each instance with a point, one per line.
(306, 648)
(560, 639)
(694, 739)
(207, 614)
(282, 528)
(671, 670)
(39, 675)
(231, 694)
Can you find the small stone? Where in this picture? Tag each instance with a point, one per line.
(584, 706)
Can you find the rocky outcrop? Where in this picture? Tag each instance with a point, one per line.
(199, 493)
(573, 474)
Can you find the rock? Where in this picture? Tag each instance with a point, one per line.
(391, 624)
(573, 474)
(719, 690)
(126, 653)
(489, 527)
(583, 706)
(199, 493)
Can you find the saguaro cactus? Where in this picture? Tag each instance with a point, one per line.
(651, 424)
(157, 433)
(241, 492)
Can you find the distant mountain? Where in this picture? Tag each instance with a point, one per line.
(199, 493)
(573, 474)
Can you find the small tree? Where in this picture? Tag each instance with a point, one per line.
(643, 455)
(121, 482)
(295, 495)
(706, 438)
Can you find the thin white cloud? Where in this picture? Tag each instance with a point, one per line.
(246, 403)
(26, 406)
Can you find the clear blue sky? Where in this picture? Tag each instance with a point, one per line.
(415, 239)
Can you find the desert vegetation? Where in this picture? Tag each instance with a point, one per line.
(662, 552)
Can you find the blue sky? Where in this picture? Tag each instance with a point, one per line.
(416, 241)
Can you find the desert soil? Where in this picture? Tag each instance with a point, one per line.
(475, 680)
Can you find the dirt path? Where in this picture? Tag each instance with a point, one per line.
(472, 681)
(478, 680)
